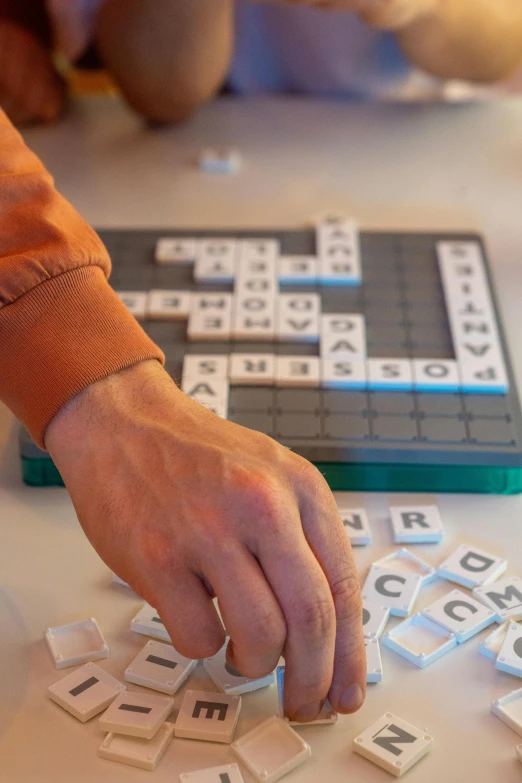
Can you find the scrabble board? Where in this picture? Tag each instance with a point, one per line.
(381, 426)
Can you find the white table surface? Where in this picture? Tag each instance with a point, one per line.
(430, 166)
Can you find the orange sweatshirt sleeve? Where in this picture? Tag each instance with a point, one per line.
(62, 327)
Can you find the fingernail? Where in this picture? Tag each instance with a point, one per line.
(351, 699)
(308, 713)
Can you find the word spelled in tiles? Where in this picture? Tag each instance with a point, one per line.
(473, 324)
(208, 716)
(393, 744)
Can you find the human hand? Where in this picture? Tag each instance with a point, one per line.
(30, 88)
(385, 14)
(183, 505)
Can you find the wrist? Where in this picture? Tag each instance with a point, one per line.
(102, 403)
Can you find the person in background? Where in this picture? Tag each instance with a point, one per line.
(169, 57)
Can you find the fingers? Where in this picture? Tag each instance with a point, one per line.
(302, 591)
(327, 538)
(188, 613)
(250, 611)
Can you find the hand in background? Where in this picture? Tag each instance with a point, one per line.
(30, 88)
(183, 505)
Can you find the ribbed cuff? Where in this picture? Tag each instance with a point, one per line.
(59, 338)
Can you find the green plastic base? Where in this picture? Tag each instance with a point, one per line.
(42, 472)
(422, 478)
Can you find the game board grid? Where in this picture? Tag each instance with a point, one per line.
(394, 298)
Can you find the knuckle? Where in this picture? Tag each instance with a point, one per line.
(316, 617)
(346, 592)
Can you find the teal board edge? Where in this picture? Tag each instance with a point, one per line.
(342, 477)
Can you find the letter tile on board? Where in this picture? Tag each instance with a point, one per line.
(136, 752)
(504, 597)
(211, 392)
(208, 716)
(509, 710)
(339, 253)
(343, 374)
(297, 371)
(390, 374)
(373, 660)
(390, 587)
(461, 614)
(343, 336)
(148, 623)
(271, 749)
(298, 317)
(375, 618)
(175, 250)
(420, 640)
(416, 524)
(472, 567)
(355, 521)
(229, 773)
(327, 716)
(481, 376)
(393, 744)
(168, 305)
(85, 692)
(210, 317)
(135, 302)
(254, 317)
(436, 375)
(252, 369)
(205, 366)
(160, 667)
(298, 270)
(228, 679)
(136, 714)
(510, 656)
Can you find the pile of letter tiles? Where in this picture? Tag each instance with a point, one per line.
(139, 725)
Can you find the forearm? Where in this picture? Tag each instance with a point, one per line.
(175, 52)
(61, 325)
(476, 40)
